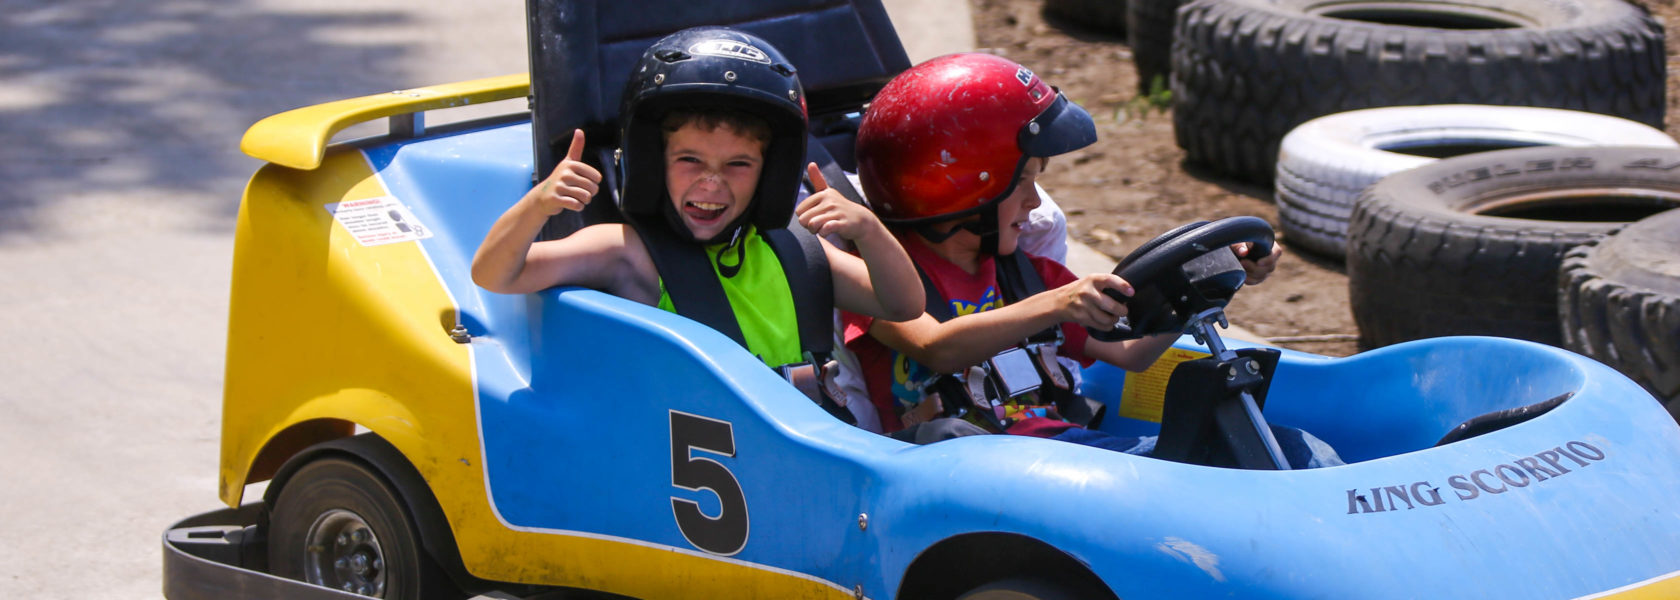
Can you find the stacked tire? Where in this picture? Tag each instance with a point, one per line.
(1246, 72)
(1106, 15)
(1325, 163)
(1619, 299)
(1149, 31)
(1472, 245)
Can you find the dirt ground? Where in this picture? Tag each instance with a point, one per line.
(1134, 184)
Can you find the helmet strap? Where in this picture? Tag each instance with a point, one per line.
(988, 232)
(986, 227)
(935, 235)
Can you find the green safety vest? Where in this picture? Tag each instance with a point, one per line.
(760, 298)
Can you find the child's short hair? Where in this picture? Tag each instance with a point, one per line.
(742, 122)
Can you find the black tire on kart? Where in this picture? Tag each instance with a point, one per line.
(347, 512)
(1149, 31)
(1619, 299)
(1245, 72)
(1101, 15)
(1022, 589)
(1471, 245)
(1324, 163)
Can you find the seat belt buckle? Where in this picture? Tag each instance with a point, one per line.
(1014, 371)
(804, 377)
(828, 376)
(815, 379)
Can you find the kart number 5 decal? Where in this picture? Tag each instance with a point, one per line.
(726, 532)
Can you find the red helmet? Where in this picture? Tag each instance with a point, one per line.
(948, 138)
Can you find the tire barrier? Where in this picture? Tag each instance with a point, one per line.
(1471, 245)
(1149, 31)
(1103, 15)
(1245, 72)
(1324, 164)
(1619, 299)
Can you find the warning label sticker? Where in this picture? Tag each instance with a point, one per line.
(378, 221)
(1146, 392)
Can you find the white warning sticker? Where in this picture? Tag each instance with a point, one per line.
(378, 221)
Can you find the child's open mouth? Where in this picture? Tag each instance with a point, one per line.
(704, 211)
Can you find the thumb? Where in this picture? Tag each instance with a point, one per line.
(576, 151)
(818, 182)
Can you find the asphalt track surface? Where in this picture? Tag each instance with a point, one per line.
(120, 178)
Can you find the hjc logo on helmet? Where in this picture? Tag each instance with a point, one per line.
(1024, 76)
(731, 49)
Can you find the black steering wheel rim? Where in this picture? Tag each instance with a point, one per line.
(1171, 250)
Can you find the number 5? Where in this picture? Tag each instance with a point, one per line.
(725, 533)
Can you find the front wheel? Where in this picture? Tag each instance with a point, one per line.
(1021, 589)
(339, 524)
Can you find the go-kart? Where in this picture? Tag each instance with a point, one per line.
(423, 438)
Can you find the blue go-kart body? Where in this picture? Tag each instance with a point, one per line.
(571, 439)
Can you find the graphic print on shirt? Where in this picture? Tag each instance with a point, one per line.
(909, 377)
(988, 301)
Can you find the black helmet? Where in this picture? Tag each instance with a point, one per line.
(706, 67)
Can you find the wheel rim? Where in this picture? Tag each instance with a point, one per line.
(342, 552)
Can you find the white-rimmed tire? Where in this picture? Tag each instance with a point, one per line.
(1246, 72)
(1619, 298)
(1325, 163)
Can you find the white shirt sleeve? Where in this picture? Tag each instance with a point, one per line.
(1045, 233)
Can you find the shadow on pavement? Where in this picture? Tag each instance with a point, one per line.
(127, 102)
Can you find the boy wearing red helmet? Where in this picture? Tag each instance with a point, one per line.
(948, 154)
(712, 144)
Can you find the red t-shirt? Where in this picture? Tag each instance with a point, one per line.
(893, 379)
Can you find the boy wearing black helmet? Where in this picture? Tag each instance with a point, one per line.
(948, 154)
(712, 144)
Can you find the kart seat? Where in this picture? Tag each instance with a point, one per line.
(581, 53)
(1500, 419)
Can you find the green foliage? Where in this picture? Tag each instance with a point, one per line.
(1159, 99)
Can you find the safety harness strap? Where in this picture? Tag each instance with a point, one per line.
(688, 278)
(805, 264)
(1017, 280)
(695, 292)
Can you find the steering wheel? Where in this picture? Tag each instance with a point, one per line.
(1181, 273)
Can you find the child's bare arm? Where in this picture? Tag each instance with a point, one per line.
(1131, 355)
(508, 262)
(880, 281)
(969, 339)
(610, 258)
